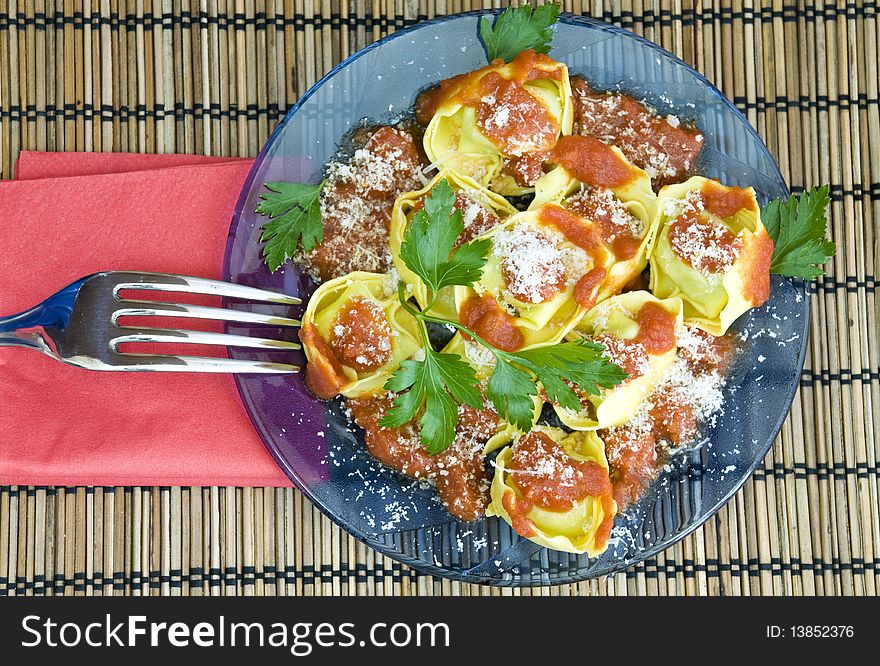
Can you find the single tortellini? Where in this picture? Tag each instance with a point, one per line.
(712, 250)
(639, 332)
(497, 123)
(355, 333)
(597, 182)
(554, 488)
(483, 362)
(481, 210)
(537, 282)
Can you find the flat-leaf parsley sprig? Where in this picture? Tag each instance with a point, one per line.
(438, 383)
(294, 212)
(797, 226)
(519, 28)
(427, 248)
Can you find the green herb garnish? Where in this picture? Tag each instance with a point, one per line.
(558, 368)
(797, 227)
(519, 28)
(429, 241)
(440, 382)
(294, 213)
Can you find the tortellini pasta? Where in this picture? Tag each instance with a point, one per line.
(712, 250)
(480, 210)
(622, 210)
(355, 333)
(639, 333)
(502, 112)
(553, 488)
(536, 283)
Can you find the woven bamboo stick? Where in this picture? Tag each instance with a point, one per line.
(214, 76)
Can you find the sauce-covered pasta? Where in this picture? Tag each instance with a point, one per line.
(595, 231)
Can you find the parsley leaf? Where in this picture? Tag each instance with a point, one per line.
(427, 249)
(519, 28)
(294, 216)
(797, 227)
(511, 389)
(557, 368)
(433, 387)
(440, 381)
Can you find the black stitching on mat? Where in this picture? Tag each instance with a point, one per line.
(844, 376)
(804, 102)
(858, 191)
(261, 21)
(665, 567)
(851, 284)
(140, 112)
(29, 112)
(822, 471)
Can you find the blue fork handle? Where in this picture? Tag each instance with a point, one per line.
(54, 312)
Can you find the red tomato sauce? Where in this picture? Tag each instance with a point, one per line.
(591, 161)
(463, 485)
(709, 353)
(626, 247)
(527, 66)
(707, 246)
(549, 478)
(512, 118)
(726, 201)
(587, 288)
(486, 318)
(530, 66)
(609, 509)
(615, 222)
(517, 509)
(666, 150)
(361, 335)
(398, 448)
(756, 279)
(656, 328)
(526, 169)
(632, 457)
(575, 228)
(324, 375)
(458, 473)
(356, 210)
(674, 420)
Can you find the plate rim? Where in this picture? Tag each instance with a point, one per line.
(801, 286)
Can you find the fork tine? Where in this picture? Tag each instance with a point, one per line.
(192, 285)
(163, 363)
(136, 334)
(156, 309)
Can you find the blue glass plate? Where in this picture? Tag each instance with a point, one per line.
(311, 440)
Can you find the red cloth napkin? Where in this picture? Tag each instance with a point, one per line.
(32, 165)
(61, 425)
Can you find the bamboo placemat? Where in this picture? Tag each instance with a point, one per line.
(214, 76)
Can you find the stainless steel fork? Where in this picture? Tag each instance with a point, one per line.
(79, 325)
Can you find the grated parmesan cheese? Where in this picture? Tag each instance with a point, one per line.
(477, 354)
(532, 261)
(706, 244)
(601, 205)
